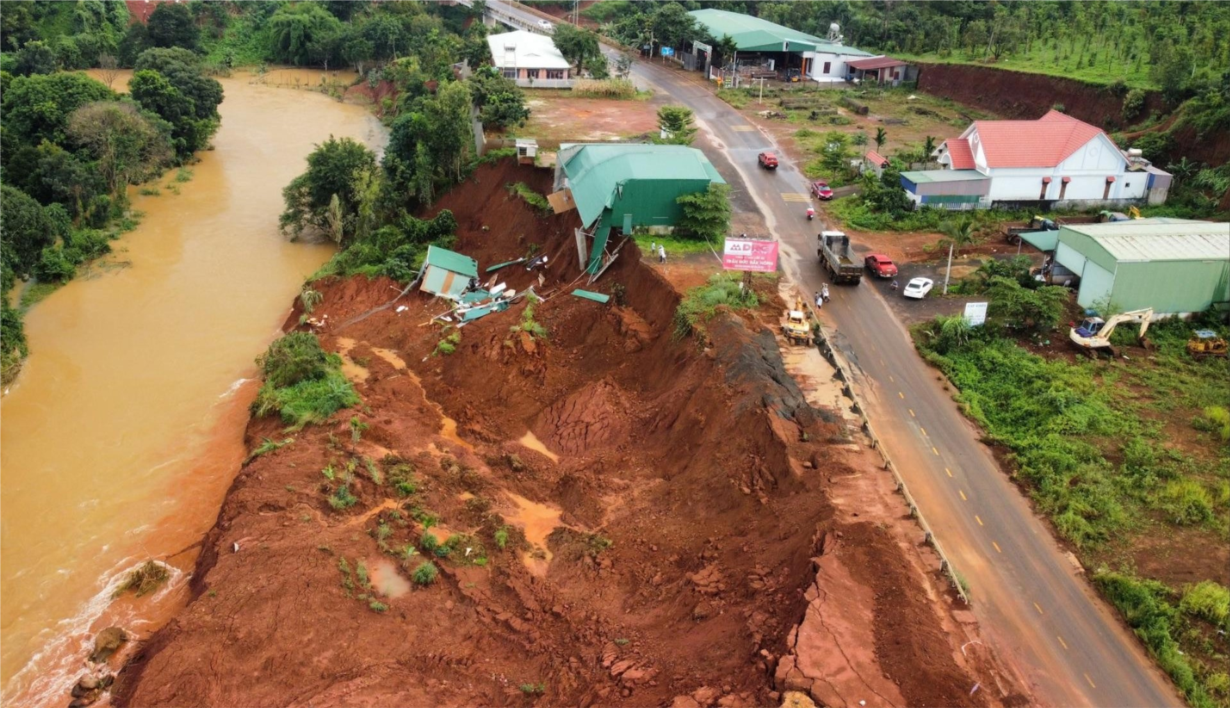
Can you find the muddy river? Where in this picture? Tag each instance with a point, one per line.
(124, 429)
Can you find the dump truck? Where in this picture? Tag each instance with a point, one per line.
(834, 254)
(795, 328)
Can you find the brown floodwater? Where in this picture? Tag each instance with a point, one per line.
(125, 427)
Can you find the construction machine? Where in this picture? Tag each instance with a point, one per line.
(1093, 335)
(1206, 343)
(795, 327)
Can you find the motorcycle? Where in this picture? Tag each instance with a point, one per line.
(811, 214)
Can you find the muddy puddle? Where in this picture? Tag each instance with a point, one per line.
(125, 427)
(386, 580)
(531, 441)
(536, 521)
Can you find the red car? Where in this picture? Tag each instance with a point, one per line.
(768, 160)
(880, 264)
(820, 190)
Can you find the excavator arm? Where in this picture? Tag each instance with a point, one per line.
(1141, 316)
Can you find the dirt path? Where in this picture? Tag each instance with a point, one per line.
(667, 555)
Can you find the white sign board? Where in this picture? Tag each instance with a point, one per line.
(703, 47)
(975, 313)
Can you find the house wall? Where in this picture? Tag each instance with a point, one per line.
(650, 202)
(1086, 170)
(837, 66)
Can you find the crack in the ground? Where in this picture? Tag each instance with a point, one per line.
(820, 601)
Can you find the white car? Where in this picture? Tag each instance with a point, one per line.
(545, 24)
(918, 288)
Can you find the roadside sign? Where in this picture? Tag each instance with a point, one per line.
(667, 51)
(975, 313)
(750, 255)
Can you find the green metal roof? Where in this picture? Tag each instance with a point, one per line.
(930, 176)
(1042, 240)
(752, 34)
(1157, 239)
(452, 261)
(596, 171)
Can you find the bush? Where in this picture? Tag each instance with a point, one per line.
(342, 498)
(1186, 502)
(1216, 420)
(426, 573)
(700, 303)
(302, 383)
(531, 197)
(1133, 104)
(1208, 600)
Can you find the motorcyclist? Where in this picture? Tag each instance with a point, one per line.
(811, 213)
(824, 292)
(894, 285)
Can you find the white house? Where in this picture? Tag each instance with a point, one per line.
(530, 59)
(1056, 159)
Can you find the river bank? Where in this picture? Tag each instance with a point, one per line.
(612, 515)
(125, 428)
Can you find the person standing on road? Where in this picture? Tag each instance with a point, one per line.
(662, 254)
(819, 300)
(653, 249)
(894, 285)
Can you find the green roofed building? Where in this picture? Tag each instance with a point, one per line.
(447, 273)
(821, 60)
(1174, 266)
(629, 186)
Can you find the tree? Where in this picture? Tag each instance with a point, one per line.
(726, 48)
(499, 100)
(126, 145)
(675, 124)
(672, 25)
(154, 93)
(576, 44)
(37, 107)
(623, 66)
(859, 139)
(53, 175)
(960, 233)
(182, 69)
(835, 156)
(25, 231)
(1039, 309)
(706, 214)
(171, 25)
(928, 149)
(334, 168)
(297, 32)
(35, 58)
(109, 68)
(881, 138)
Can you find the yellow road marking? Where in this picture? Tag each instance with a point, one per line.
(890, 378)
(911, 410)
(1091, 683)
(937, 452)
(744, 128)
(948, 471)
(795, 197)
(901, 394)
(979, 519)
(962, 495)
(924, 431)
(1061, 641)
(1038, 608)
(997, 548)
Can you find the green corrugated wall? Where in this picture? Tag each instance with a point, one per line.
(650, 202)
(1171, 286)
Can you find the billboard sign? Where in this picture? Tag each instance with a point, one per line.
(750, 255)
(975, 313)
(667, 51)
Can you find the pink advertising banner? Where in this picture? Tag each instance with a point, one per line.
(749, 254)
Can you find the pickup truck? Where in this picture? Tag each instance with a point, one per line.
(834, 254)
(880, 265)
(767, 160)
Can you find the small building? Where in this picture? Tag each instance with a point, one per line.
(527, 151)
(628, 186)
(1175, 266)
(530, 59)
(875, 162)
(779, 50)
(946, 189)
(446, 273)
(1055, 161)
(882, 70)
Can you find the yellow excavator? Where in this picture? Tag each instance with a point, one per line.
(795, 327)
(1093, 335)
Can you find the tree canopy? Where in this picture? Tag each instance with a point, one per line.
(334, 170)
(171, 25)
(706, 215)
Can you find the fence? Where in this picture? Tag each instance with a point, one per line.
(843, 374)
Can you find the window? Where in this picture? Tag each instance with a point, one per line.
(1063, 187)
(510, 73)
(555, 73)
(827, 66)
(532, 73)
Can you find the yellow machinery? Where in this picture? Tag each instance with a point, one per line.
(795, 327)
(1206, 343)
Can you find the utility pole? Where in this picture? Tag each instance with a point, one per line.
(948, 271)
(760, 100)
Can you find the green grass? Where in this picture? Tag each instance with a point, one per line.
(674, 246)
(700, 303)
(1058, 61)
(303, 384)
(268, 446)
(530, 196)
(426, 573)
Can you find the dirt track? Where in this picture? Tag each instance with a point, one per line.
(700, 510)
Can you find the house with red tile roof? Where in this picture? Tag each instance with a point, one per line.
(1056, 159)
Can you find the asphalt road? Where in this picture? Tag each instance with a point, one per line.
(1026, 592)
(1028, 595)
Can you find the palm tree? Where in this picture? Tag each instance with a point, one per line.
(928, 149)
(881, 138)
(959, 233)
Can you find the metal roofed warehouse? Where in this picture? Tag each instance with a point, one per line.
(627, 186)
(1174, 266)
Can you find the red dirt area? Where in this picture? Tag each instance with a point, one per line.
(634, 520)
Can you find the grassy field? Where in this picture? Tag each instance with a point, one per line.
(1130, 461)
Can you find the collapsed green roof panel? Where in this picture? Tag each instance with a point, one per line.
(452, 261)
(752, 34)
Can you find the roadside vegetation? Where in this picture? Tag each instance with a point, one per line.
(702, 302)
(1126, 458)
